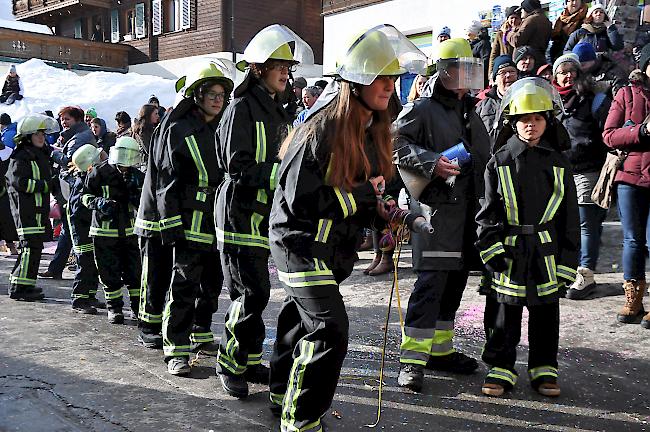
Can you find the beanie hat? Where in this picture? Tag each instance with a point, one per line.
(566, 58)
(300, 83)
(501, 62)
(522, 52)
(475, 27)
(644, 58)
(585, 52)
(530, 5)
(512, 10)
(12, 69)
(445, 31)
(5, 119)
(91, 112)
(597, 5)
(543, 68)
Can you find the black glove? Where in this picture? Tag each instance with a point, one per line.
(497, 264)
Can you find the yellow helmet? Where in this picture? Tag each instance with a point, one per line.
(125, 152)
(273, 42)
(204, 71)
(33, 123)
(454, 48)
(85, 157)
(456, 66)
(530, 95)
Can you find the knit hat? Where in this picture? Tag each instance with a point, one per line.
(543, 68)
(597, 5)
(12, 69)
(522, 52)
(91, 112)
(5, 119)
(475, 27)
(644, 58)
(530, 5)
(501, 62)
(512, 10)
(445, 31)
(585, 52)
(566, 58)
(300, 83)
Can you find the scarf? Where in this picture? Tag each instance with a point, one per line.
(568, 23)
(564, 91)
(594, 28)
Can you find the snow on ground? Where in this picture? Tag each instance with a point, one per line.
(7, 20)
(47, 87)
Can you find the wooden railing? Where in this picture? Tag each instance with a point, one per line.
(28, 8)
(26, 45)
(334, 6)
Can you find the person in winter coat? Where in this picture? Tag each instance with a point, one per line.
(500, 45)
(528, 236)
(112, 191)
(7, 131)
(425, 130)
(7, 227)
(504, 74)
(148, 119)
(332, 172)
(626, 129)
(598, 30)
(29, 183)
(524, 58)
(608, 77)
(479, 40)
(89, 115)
(534, 31)
(12, 89)
(570, 20)
(187, 178)
(444, 34)
(123, 123)
(250, 133)
(104, 138)
(583, 118)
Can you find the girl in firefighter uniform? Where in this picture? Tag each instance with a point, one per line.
(528, 235)
(332, 170)
(28, 182)
(112, 192)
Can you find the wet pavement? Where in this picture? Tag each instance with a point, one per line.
(61, 371)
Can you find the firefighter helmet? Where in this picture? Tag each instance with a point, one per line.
(86, 156)
(457, 67)
(125, 152)
(219, 70)
(530, 95)
(33, 123)
(273, 42)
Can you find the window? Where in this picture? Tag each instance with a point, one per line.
(115, 26)
(170, 15)
(77, 29)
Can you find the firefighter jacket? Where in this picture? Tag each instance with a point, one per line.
(250, 133)
(80, 214)
(311, 220)
(113, 197)
(29, 182)
(187, 181)
(529, 218)
(71, 139)
(425, 129)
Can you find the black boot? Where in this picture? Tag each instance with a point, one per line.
(411, 376)
(455, 363)
(29, 294)
(150, 340)
(83, 306)
(234, 385)
(257, 374)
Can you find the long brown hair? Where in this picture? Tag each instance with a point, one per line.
(341, 124)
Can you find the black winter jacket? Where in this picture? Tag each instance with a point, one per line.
(71, 139)
(488, 110)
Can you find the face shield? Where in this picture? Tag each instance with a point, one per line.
(124, 156)
(269, 40)
(529, 95)
(34, 123)
(382, 50)
(464, 73)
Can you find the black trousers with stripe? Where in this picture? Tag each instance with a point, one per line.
(25, 271)
(247, 278)
(191, 299)
(157, 262)
(86, 277)
(118, 264)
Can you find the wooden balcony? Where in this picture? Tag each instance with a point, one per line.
(40, 10)
(336, 6)
(67, 51)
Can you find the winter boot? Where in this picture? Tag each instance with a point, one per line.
(150, 340)
(633, 308)
(28, 294)
(179, 366)
(455, 362)
(375, 262)
(584, 285)
(83, 306)
(234, 385)
(206, 348)
(385, 265)
(115, 316)
(257, 374)
(645, 322)
(411, 376)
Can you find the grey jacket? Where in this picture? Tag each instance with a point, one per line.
(72, 139)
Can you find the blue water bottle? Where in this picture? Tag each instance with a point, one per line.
(458, 154)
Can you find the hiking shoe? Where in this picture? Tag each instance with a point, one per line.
(455, 362)
(206, 348)
(234, 385)
(257, 374)
(548, 389)
(179, 366)
(584, 285)
(412, 377)
(632, 310)
(98, 304)
(150, 340)
(83, 306)
(115, 316)
(492, 389)
(28, 295)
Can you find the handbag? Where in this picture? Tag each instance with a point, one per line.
(601, 195)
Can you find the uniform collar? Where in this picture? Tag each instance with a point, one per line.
(517, 147)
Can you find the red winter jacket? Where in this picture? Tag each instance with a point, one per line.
(628, 111)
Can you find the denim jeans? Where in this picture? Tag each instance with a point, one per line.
(633, 208)
(591, 228)
(63, 248)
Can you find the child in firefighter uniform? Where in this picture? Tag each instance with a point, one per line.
(112, 191)
(28, 182)
(250, 133)
(325, 196)
(188, 177)
(79, 216)
(528, 235)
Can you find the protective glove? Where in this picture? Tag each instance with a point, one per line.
(107, 207)
(497, 264)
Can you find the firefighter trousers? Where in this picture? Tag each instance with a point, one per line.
(25, 271)
(500, 351)
(86, 277)
(247, 278)
(118, 264)
(157, 262)
(429, 323)
(191, 300)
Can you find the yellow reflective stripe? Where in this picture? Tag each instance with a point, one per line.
(226, 358)
(324, 226)
(106, 191)
(198, 237)
(551, 286)
(36, 172)
(566, 273)
(328, 172)
(276, 398)
(109, 232)
(319, 264)
(201, 337)
(503, 374)
(198, 161)
(86, 198)
(147, 225)
(541, 371)
(511, 240)
(170, 222)
(30, 230)
(308, 278)
(38, 199)
(260, 153)
(16, 280)
(544, 237)
(491, 252)
(197, 217)
(296, 378)
(31, 185)
(256, 220)
(273, 180)
(242, 239)
(509, 196)
(347, 202)
(262, 196)
(556, 197)
(39, 219)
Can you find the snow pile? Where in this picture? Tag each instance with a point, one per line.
(49, 88)
(7, 20)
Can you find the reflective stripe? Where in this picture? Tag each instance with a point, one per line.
(286, 426)
(509, 196)
(511, 240)
(226, 357)
(147, 225)
(199, 237)
(203, 337)
(31, 185)
(109, 232)
(556, 197)
(544, 237)
(324, 226)
(441, 254)
(541, 371)
(106, 191)
(260, 150)
(176, 350)
(491, 252)
(502, 284)
(294, 388)
(262, 196)
(319, 264)
(308, 278)
(86, 198)
(254, 359)
(84, 248)
(276, 398)
(112, 295)
(134, 293)
(147, 317)
(442, 343)
(242, 239)
(416, 345)
(347, 202)
(503, 375)
(30, 231)
(17, 280)
(273, 180)
(256, 220)
(196, 156)
(549, 287)
(566, 273)
(170, 222)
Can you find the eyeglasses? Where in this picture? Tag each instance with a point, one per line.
(282, 67)
(212, 96)
(567, 72)
(503, 72)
